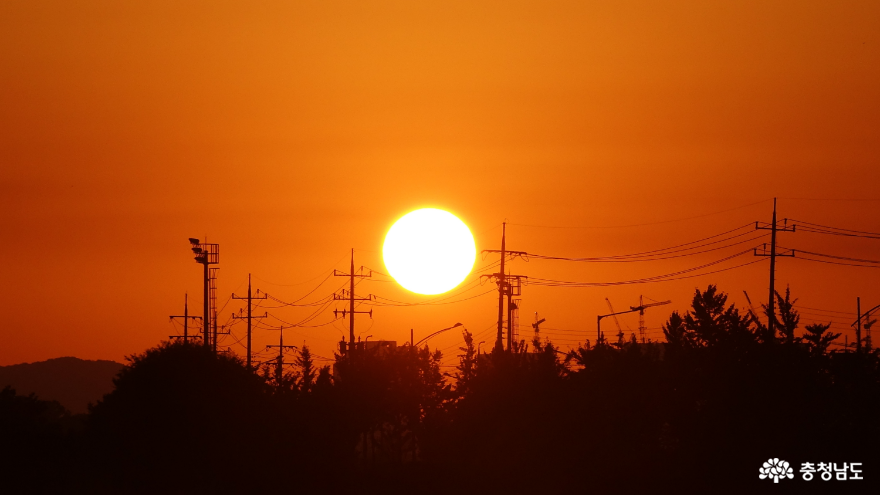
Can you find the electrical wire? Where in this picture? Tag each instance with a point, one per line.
(829, 228)
(661, 254)
(640, 224)
(679, 275)
(845, 258)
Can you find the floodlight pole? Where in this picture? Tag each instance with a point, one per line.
(206, 254)
(206, 319)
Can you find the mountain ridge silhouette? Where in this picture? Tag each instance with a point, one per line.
(71, 381)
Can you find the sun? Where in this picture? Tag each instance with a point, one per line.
(429, 251)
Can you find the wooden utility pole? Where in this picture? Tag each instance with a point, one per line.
(186, 317)
(250, 297)
(773, 228)
(351, 299)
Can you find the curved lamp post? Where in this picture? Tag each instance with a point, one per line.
(438, 332)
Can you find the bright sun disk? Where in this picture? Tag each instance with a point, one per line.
(429, 251)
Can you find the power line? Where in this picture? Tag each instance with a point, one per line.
(640, 224)
(658, 252)
(845, 258)
(816, 225)
(679, 275)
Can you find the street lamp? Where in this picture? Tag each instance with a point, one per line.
(436, 333)
(478, 346)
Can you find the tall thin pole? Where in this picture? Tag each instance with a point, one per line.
(771, 306)
(186, 317)
(351, 304)
(509, 319)
(250, 316)
(859, 324)
(206, 319)
(249, 324)
(279, 370)
(499, 342)
(351, 299)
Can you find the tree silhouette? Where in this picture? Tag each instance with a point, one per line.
(818, 339)
(178, 416)
(467, 363)
(702, 407)
(786, 318)
(709, 323)
(306, 368)
(36, 444)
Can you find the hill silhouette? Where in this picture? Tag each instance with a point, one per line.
(71, 381)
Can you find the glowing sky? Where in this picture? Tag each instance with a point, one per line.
(291, 132)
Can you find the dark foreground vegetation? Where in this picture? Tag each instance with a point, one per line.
(697, 414)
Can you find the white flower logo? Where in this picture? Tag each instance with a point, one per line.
(774, 468)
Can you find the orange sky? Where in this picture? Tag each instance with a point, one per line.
(290, 132)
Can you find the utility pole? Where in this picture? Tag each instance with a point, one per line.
(250, 299)
(186, 317)
(858, 324)
(503, 285)
(869, 322)
(351, 299)
(207, 254)
(773, 228)
(279, 364)
(499, 343)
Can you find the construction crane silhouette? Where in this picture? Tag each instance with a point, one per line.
(752, 308)
(616, 321)
(641, 309)
(537, 324)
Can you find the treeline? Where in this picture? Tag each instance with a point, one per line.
(699, 413)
